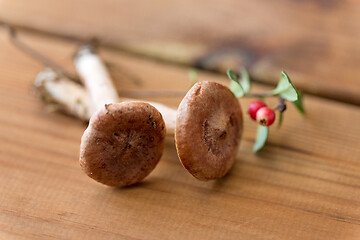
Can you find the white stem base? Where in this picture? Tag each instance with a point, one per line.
(75, 100)
(66, 95)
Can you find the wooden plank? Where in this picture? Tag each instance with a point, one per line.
(316, 42)
(304, 185)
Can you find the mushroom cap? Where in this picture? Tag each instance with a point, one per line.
(208, 130)
(123, 143)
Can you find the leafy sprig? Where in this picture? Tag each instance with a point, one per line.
(240, 87)
(285, 90)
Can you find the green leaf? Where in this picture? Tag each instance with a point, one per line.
(290, 95)
(282, 85)
(286, 89)
(298, 103)
(261, 137)
(231, 74)
(235, 86)
(193, 76)
(236, 89)
(245, 80)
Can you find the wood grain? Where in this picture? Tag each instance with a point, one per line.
(315, 41)
(304, 185)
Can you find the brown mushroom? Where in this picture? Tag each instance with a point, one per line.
(208, 130)
(208, 125)
(124, 141)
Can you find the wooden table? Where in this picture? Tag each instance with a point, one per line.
(305, 184)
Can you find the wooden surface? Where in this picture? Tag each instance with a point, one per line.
(315, 41)
(303, 185)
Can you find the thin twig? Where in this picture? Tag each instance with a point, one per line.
(281, 106)
(259, 95)
(151, 93)
(35, 54)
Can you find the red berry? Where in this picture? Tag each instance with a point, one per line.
(265, 116)
(254, 107)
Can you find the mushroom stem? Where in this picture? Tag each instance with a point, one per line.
(124, 140)
(102, 90)
(95, 77)
(71, 98)
(62, 94)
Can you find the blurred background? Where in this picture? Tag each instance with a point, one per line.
(315, 41)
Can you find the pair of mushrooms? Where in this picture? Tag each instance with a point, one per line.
(125, 138)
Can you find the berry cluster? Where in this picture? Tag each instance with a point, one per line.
(285, 91)
(261, 113)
